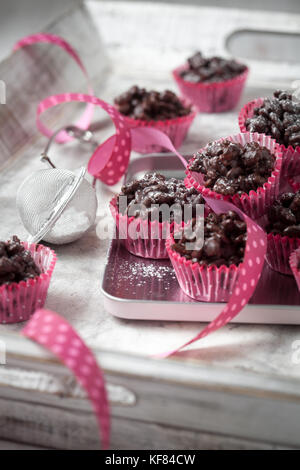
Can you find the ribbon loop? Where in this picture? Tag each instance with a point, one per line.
(109, 163)
(110, 160)
(85, 120)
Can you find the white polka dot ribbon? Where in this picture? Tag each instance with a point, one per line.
(55, 334)
(254, 257)
(106, 164)
(110, 160)
(248, 277)
(85, 120)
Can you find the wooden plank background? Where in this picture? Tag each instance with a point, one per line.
(239, 388)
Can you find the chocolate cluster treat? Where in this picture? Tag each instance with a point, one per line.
(224, 241)
(138, 103)
(229, 168)
(16, 263)
(155, 188)
(211, 69)
(284, 216)
(278, 117)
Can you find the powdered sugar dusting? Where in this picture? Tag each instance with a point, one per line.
(151, 270)
(138, 277)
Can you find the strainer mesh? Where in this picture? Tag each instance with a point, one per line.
(41, 193)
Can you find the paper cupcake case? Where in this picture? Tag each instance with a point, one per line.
(278, 252)
(294, 263)
(203, 283)
(143, 246)
(18, 301)
(176, 129)
(256, 203)
(295, 183)
(211, 97)
(290, 155)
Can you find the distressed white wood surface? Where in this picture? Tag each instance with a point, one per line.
(239, 382)
(174, 409)
(10, 445)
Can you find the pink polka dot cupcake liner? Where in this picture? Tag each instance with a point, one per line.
(290, 155)
(215, 97)
(176, 129)
(203, 283)
(140, 237)
(18, 301)
(278, 252)
(294, 265)
(256, 203)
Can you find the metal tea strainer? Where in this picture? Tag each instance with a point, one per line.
(56, 205)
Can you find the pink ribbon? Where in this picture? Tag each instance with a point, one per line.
(109, 163)
(85, 119)
(249, 276)
(55, 334)
(255, 250)
(110, 160)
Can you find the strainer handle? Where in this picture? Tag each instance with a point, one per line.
(84, 136)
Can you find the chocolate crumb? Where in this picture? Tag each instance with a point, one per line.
(211, 69)
(224, 241)
(229, 168)
(155, 188)
(278, 117)
(138, 103)
(16, 263)
(284, 216)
